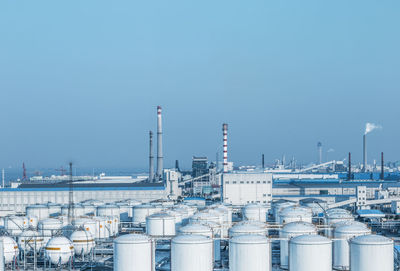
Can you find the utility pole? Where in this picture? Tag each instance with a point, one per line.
(71, 196)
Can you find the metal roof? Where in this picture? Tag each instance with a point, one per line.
(370, 213)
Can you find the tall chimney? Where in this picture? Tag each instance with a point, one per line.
(225, 133)
(349, 177)
(159, 145)
(364, 153)
(262, 161)
(382, 168)
(319, 146)
(151, 158)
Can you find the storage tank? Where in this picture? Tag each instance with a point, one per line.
(333, 216)
(86, 224)
(64, 220)
(177, 216)
(289, 231)
(250, 252)
(33, 222)
(83, 242)
(342, 235)
(89, 208)
(205, 216)
(125, 212)
(191, 252)
(113, 225)
(48, 227)
(15, 224)
(140, 213)
(371, 253)
(197, 229)
(295, 213)
(134, 252)
(108, 210)
(278, 206)
(54, 209)
(59, 250)
(103, 229)
(93, 202)
(10, 249)
(246, 229)
(256, 212)
(78, 210)
(30, 241)
(310, 253)
(40, 211)
(160, 225)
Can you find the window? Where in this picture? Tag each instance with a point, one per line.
(226, 182)
(241, 182)
(247, 182)
(264, 195)
(252, 181)
(234, 182)
(264, 182)
(269, 181)
(258, 182)
(264, 201)
(269, 195)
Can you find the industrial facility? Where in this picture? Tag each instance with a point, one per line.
(322, 217)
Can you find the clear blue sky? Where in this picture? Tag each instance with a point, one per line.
(81, 80)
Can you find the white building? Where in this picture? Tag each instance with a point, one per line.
(243, 188)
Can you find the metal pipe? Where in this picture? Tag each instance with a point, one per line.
(159, 145)
(151, 158)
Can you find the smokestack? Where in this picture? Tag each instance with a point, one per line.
(177, 165)
(151, 158)
(349, 177)
(159, 145)
(382, 168)
(225, 146)
(319, 146)
(364, 153)
(262, 161)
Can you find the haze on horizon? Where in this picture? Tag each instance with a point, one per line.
(80, 80)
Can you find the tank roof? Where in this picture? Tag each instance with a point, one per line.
(299, 226)
(132, 239)
(191, 239)
(356, 227)
(372, 239)
(310, 240)
(249, 239)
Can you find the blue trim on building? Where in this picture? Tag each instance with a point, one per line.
(82, 189)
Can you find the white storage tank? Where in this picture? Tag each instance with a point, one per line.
(197, 229)
(206, 216)
(256, 212)
(371, 253)
(278, 206)
(289, 231)
(15, 224)
(89, 208)
(33, 221)
(333, 216)
(247, 229)
(310, 253)
(113, 225)
(30, 241)
(59, 250)
(64, 220)
(48, 227)
(83, 242)
(160, 225)
(54, 209)
(342, 235)
(191, 252)
(40, 211)
(140, 212)
(93, 202)
(134, 252)
(103, 229)
(108, 210)
(125, 211)
(86, 224)
(177, 216)
(10, 249)
(250, 252)
(78, 210)
(295, 213)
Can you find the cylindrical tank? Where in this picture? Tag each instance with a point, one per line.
(278, 206)
(15, 224)
(10, 249)
(289, 231)
(310, 253)
(103, 230)
(342, 235)
(160, 225)
(333, 216)
(371, 253)
(191, 252)
(93, 202)
(197, 229)
(256, 212)
(41, 211)
(134, 252)
(124, 211)
(250, 252)
(247, 229)
(177, 216)
(48, 227)
(113, 225)
(205, 216)
(83, 242)
(86, 224)
(140, 212)
(108, 210)
(33, 221)
(89, 209)
(54, 209)
(295, 213)
(78, 210)
(30, 241)
(59, 250)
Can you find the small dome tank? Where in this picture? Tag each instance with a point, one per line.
(83, 242)
(59, 250)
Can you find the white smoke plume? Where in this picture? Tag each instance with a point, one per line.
(331, 150)
(369, 127)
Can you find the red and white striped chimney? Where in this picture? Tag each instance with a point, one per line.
(225, 132)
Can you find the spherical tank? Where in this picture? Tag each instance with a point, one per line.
(310, 253)
(371, 253)
(59, 250)
(10, 249)
(83, 242)
(30, 241)
(134, 252)
(289, 231)
(191, 252)
(86, 224)
(249, 252)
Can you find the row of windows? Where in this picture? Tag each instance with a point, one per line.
(248, 182)
(256, 201)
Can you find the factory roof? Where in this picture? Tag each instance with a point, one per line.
(370, 213)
